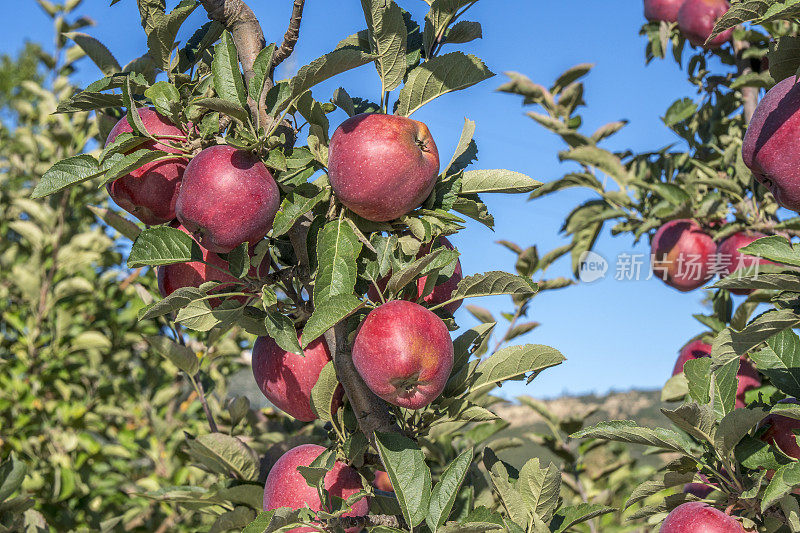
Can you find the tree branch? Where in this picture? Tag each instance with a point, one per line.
(371, 412)
(749, 94)
(374, 520)
(290, 37)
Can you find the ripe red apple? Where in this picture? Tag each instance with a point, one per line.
(770, 147)
(662, 10)
(682, 255)
(698, 517)
(149, 193)
(227, 197)
(404, 353)
(382, 166)
(747, 376)
(286, 379)
(382, 481)
(286, 487)
(696, 19)
(781, 434)
(192, 274)
(441, 292)
(730, 259)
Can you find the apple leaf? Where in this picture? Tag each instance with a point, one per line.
(627, 431)
(297, 203)
(319, 70)
(282, 330)
(122, 143)
(410, 476)
(328, 313)
(118, 165)
(734, 426)
(466, 150)
(387, 36)
(665, 481)
(323, 392)
(126, 227)
(785, 479)
(780, 361)
(437, 76)
(163, 31)
(12, 474)
(463, 32)
(499, 181)
(261, 68)
(181, 356)
(224, 454)
(65, 173)
(516, 507)
(492, 283)
(539, 487)
(163, 245)
(232, 109)
(96, 51)
(338, 248)
(513, 363)
(228, 82)
(200, 316)
(88, 101)
(180, 298)
(566, 517)
(166, 99)
(774, 248)
(443, 495)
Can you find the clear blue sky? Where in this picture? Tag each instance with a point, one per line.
(616, 335)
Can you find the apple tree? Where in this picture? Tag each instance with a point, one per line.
(710, 206)
(328, 245)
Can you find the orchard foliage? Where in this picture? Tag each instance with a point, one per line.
(308, 278)
(704, 179)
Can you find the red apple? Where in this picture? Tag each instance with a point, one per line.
(227, 197)
(771, 146)
(696, 19)
(441, 292)
(730, 259)
(192, 274)
(682, 255)
(662, 10)
(404, 353)
(149, 193)
(286, 379)
(698, 517)
(747, 376)
(382, 166)
(286, 487)
(382, 481)
(781, 434)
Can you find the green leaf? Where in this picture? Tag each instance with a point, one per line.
(232, 109)
(387, 36)
(328, 313)
(239, 260)
(734, 426)
(96, 51)
(410, 476)
(512, 363)
(166, 99)
(491, 284)
(539, 487)
(698, 375)
(12, 474)
(323, 392)
(774, 248)
(466, 150)
(181, 356)
(338, 248)
(566, 517)
(200, 316)
(463, 32)
(679, 111)
(228, 82)
(319, 70)
(224, 454)
(785, 479)
(65, 173)
(119, 165)
(516, 507)
(502, 181)
(282, 330)
(180, 298)
(162, 245)
(123, 143)
(164, 30)
(603, 160)
(297, 203)
(437, 76)
(780, 362)
(89, 101)
(443, 495)
(261, 68)
(627, 431)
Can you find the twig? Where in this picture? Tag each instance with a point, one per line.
(290, 37)
(374, 520)
(198, 387)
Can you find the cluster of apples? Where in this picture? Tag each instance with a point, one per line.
(695, 18)
(381, 167)
(685, 257)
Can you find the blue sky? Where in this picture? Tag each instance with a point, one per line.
(616, 335)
